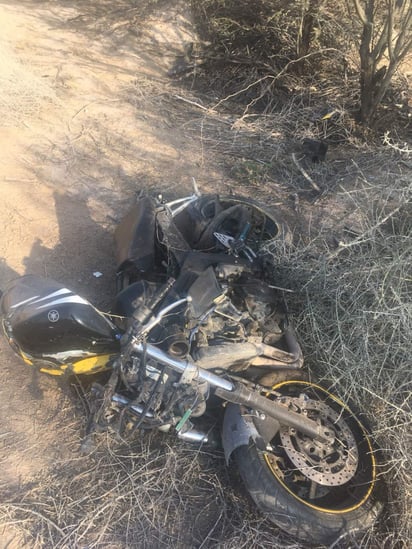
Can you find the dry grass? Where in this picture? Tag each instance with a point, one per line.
(352, 301)
(153, 493)
(22, 93)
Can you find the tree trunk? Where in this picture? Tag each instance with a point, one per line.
(367, 66)
(393, 37)
(366, 90)
(307, 25)
(306, 29)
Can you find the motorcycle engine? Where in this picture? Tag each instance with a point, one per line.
(230, 311)
(245, 309)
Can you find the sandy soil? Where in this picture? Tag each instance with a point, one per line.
(84, 125)
(88, 118)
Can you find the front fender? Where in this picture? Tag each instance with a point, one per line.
(241, 428)
(237, 430)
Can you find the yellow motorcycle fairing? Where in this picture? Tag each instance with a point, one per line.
(85, 366)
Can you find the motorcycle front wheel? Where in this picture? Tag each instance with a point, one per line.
(317, 492)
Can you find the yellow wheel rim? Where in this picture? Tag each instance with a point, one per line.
(370, 453)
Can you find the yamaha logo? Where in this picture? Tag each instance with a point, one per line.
(53, 315)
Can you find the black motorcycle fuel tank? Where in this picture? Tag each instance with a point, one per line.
(44, 319)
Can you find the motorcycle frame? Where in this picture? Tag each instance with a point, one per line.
(235, 393)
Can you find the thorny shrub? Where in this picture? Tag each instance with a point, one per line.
(261, 53)
(352, 304)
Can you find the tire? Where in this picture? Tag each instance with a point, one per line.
(282, 491)
(282, 231)
(273, 226)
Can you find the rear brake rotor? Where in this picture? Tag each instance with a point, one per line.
(328, 464)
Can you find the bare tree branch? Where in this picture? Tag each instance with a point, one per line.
(390, 30)
(386, 32)
(380, 46)
(360, 11)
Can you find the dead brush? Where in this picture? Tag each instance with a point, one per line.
(262, 55)
(265, 53)
(352, 302)
(22, 93)
(150, 493)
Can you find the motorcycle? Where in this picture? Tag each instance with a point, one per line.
(198, 323)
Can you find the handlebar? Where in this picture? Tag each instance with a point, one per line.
(157, 319)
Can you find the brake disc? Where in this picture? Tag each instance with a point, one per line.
(326, 463)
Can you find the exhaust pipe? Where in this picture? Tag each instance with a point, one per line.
(193, 436)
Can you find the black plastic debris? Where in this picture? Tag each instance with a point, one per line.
(315, 150)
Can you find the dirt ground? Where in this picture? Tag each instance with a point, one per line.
(88, 118)
(83, 127)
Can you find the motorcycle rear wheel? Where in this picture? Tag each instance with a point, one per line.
(267, 225)
(293, 483)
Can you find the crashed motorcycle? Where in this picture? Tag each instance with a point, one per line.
(199, 323)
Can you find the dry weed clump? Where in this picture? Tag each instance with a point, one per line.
(22, 93)
(353, 302)
(266, 37)
(153, 492)
(261, 54)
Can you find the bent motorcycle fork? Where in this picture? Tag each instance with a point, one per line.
(239, 394)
